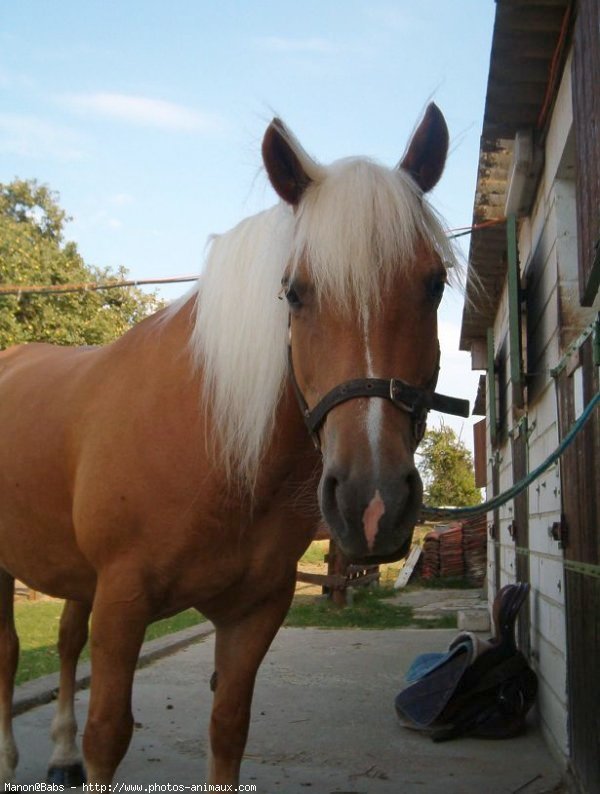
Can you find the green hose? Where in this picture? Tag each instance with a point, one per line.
(435, 513)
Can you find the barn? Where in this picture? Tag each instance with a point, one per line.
(532, 326)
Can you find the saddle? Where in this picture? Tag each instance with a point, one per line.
(477, 687)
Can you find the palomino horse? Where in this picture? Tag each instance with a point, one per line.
(174, 467)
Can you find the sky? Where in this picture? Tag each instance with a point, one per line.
(146, 116)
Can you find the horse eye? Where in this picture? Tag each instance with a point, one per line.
(435, 288)
(292, 298)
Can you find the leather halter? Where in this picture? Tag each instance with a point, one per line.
(413, 400)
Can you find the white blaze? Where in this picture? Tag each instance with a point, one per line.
(374, 419)
(374, 423)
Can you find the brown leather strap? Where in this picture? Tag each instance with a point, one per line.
(415, 401)
(408, 398)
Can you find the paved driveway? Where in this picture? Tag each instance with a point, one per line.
(323, 721)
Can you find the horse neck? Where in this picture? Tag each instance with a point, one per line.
(290, 452)
(289, 456)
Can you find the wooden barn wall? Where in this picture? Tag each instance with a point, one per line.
(581, 505)
(539, 257)
(559, 258)
(548, 262)
(553, 318)
(581, 488)
(586, 100)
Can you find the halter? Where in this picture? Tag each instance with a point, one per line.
(413, 400)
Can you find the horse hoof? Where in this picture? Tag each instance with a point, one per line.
(67, 776)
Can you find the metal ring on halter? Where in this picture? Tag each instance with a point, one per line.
(403, 406)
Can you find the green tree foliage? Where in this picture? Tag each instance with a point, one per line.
(33, 252)
(446, 466)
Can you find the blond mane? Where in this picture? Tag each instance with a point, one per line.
(356, 224)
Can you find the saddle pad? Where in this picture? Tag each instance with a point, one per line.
(422, 702)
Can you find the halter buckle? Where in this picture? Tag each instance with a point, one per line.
(397, 388)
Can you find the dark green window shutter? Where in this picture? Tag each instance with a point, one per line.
(514, 311)
(491, 386)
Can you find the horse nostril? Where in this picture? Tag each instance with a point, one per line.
(414, 485)
(412, 479)
(334, 496)
(329, 488)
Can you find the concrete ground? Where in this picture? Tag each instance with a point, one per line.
(470, 607)
(323, 721)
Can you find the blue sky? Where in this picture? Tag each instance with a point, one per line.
(146, 116)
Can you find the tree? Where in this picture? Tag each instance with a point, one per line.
(33, 252)
(446, 466)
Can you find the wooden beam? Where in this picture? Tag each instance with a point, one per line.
(491, 387)
(514, 311)
(593, 282)
(334, 581)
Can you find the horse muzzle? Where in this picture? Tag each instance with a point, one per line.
(371, 521)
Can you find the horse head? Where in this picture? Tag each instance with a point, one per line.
(365, 277)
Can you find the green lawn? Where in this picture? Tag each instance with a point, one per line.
(315, 552)
(37, 626)
(370, 610)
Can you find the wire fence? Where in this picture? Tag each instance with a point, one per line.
(93, 286)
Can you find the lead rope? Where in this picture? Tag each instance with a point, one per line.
(433, 513)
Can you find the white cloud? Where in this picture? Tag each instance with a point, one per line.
(121, 199)
(142, 111)
(31, 136)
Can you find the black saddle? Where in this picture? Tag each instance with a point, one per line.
(482, 689)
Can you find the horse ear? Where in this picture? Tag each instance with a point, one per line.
(284, 167)
(426, 154)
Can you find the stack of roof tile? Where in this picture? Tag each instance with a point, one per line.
(430, 560)
(475, 549)
(451, 553)
(457, 550)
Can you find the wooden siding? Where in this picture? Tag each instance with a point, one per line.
(521, 532)
(562, 42)
(586, 109)
(581, 510)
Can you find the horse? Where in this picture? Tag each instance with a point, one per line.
(188, 463)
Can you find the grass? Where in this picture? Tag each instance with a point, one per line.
(315, 553)
(37, 626)
(370, 610)
(367, 612)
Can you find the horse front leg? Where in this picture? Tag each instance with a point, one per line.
(66, 765)
(239, 649)
(120, 614)
(9, 658)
